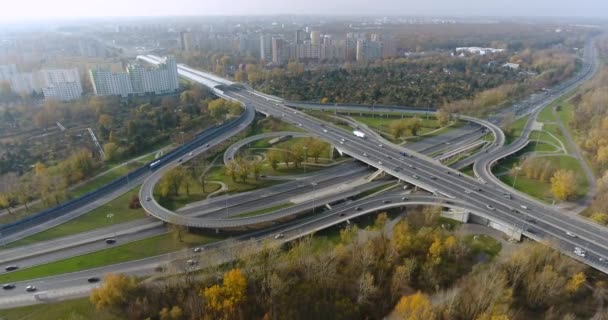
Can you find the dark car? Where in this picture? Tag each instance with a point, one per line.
(358, 209)
(342, 214)
(386, 201)
(93, 279)
(11, 268)
(110, 241)
(8, 286)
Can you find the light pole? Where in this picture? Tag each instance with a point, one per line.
(314, 196)
(111, 217)
(517, 169)
(305, 157)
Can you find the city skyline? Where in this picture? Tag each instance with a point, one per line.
(72, 9)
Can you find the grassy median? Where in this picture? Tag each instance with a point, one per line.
(135, 250)
(94, 219)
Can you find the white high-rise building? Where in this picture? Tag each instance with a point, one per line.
(266, 48)
(108, 83)
(63, 91)
(159, 79)
(23, 83)
(138, 79)
(7, 72)
(61, 84)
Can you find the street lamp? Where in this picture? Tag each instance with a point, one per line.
(111, 217)
(305, 157)
(517, 169)
(314, 196)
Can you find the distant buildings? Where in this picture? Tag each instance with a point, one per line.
(368, 50)
(137, 80)
(185, 41)
(478, 50)
(266, 48)
(316, 46)
(280, 50)
(58, 84)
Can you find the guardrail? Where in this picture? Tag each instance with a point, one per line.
(76, 203)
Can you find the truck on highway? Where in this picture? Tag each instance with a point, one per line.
(359, 134)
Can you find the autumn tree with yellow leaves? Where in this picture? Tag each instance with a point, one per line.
(223, 302)
(563, 184)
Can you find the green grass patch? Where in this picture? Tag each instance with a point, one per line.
(195, 193)
(102, 180)
(450, 224)
(468, 171)
(93, 219)
(81, 308)
(374, 190)
(516, 129)
(120, 253)
(218, 174)
(483, 244)
(264, 210)
(539, 189)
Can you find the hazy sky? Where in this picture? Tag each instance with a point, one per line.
(19, 9)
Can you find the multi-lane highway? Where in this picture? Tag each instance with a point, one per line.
(427, 174)
(486, 198)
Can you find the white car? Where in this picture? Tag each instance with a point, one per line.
(299, 124)
(325, 130)
(365, 154)
(580, 252)
(524, 207)
(380, 146)
(279, 236)
(571, 234)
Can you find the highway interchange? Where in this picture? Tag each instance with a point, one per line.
(485, 197)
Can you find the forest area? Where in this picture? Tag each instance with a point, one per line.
(589, 120)
(415, 269)
(433, 76)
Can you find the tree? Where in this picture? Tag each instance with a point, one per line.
(232, 169)
(115, 292)
(576, 282)
(414, 125)
(443, 117)
(398, 127)
(274, 157)
(414, 307)
(315, 148)
(599, 217)
(110, 150)
(256, 167)
(563, 184)
(39, 168)
(170, 182)
(218, 109)
(224, 301)
(435, 251)
(5, 202)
